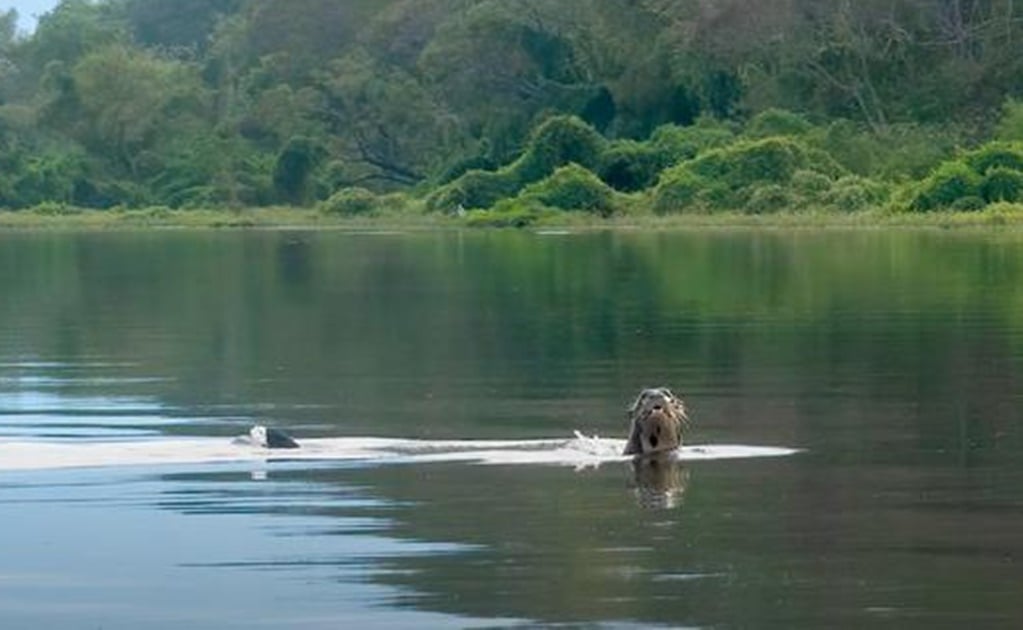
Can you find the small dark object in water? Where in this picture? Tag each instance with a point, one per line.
(268, 437)
(657, 419)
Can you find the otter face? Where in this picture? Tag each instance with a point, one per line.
(657, 418)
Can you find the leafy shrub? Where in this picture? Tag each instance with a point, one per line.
(518, 213)
(573, 187)
(902, 150)
(1010, 123)
(463, 166)
(777, 122)
(769, 160)
(995, 155)
(351, 202)
(675, 143)
(447, 199)
(853, 193)
(485, 188)
(556, 142)
(810, 183)
(949, 182)
(728, 177)
(968, 204)
(475, 189)
(1002, 184)
(629, 166)
(54, 209)
(769, 198)
(679, 190)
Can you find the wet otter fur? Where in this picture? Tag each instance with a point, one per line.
(657, 417)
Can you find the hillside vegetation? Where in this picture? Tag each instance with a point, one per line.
(508, 111)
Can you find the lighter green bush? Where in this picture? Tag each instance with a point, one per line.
(777, 122)
(351, 202)
(853, 193)
(770, 198)
(573, 187)
(676, 143)
(473, 190)
(679, 190)
(558, 141)
(810, 183)
(769, 160)
(1010, 124)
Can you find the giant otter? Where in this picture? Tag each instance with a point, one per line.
(657, 418)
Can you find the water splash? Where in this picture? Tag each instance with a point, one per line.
(580, 451)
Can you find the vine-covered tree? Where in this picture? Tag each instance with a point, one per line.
(204, 101)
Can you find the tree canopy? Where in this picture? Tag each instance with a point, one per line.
(241, 102)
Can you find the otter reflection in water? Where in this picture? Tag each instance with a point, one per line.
(660, 481)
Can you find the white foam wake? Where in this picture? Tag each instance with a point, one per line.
(579, 451)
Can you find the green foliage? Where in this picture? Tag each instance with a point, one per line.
(777, 122)
(727, 178)
(991, 173)
(236, 102)
(769, 198)
(293, 168)
(769, 160)
(628, 165)
(1002, 184)
(1010, 123)
(898, 151)
(351, 202)
(810, 183)
(853, 193)
(558, 141)
(53, 208)
(474, 189)
(517, 213)
(969, 203)
(995, 155)
(573, 187)
(683, 143)
(680, 190)
(949, 182)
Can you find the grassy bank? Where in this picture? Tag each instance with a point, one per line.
(1001, 216)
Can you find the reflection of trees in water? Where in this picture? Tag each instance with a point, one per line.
(520, 335)
(536, 543)
(545, 544)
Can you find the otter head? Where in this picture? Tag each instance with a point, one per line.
(657, 418)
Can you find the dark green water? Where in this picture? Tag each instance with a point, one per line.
(894, 360)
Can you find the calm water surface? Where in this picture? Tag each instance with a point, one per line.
(894, 360)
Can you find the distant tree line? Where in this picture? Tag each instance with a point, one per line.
(232, 103)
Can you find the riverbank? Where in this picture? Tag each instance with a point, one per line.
(1001, 216)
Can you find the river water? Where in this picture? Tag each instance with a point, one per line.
(891, 364)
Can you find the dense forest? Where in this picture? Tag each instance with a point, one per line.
(516, 107)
